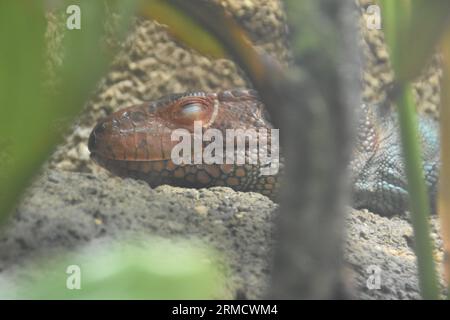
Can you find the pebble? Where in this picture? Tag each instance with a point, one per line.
(202, 210)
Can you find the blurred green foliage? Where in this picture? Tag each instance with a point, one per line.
(181, 26)
(444, 179)
(150, 269)
(32, 107)
(413, 30)
(29, 109)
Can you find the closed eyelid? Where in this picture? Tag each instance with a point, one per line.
(191, 108)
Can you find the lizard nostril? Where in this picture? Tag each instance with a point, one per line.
(97, 132)
(92, 141)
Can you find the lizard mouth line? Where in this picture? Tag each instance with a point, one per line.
(239, 147)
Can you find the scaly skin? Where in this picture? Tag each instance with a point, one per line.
(135, 142)
(378, 173)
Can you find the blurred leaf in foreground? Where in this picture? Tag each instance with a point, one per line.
(28, 110)
(148, 269)
(444, 176)
(413, 29)
(182, 27)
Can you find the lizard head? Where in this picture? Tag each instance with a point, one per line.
(137, 141)
(143, 132)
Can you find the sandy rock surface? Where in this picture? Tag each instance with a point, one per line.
(65, 211)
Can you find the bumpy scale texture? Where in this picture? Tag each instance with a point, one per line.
(378, 172)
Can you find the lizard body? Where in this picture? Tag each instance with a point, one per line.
(136, 142)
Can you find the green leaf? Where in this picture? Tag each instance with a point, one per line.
(417, 190)
(413, 29)
(29, 112)
(182, 27)
(150, 269)
(444, 176)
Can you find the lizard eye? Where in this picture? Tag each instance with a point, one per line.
(192, 111)
(186, 111)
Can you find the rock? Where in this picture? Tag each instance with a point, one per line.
(201, 210)
(65, 210)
